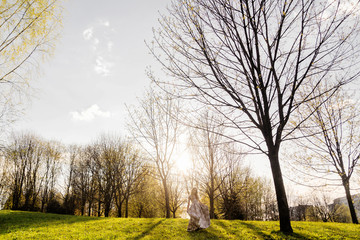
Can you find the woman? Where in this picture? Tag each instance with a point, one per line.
(199, 213)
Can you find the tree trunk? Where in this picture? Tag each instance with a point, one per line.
(284, 215)
(211, 199)
(127, 207)
(167, 199)
(140, 212)
(350, 201)
(99, 208)
(119, 209)
(89, 209)
(107, 208)
(16, 197)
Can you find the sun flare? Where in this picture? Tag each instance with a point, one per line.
(183, 161)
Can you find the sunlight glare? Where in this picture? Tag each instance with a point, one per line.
(183, 161)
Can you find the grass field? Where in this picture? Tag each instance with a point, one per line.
(31, 225)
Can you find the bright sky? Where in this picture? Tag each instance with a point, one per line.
(99, 65)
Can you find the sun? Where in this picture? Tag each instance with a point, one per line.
(183, 161)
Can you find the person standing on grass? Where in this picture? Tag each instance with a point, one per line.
(198, 212)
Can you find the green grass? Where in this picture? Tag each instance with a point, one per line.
(31, 225)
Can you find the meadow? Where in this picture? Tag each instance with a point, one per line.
(33, 225)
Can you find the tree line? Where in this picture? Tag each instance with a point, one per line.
(112, 177)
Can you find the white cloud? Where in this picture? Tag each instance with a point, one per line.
(99, 38)
(105, 23)
(110, 45)
(90, 114)
(102, 66)
(88, 33)
(95, 44)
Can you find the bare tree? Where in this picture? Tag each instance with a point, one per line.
(69, 198)
(29, 32)
(32, 153)
(206, 145)
(155, 128)
(82, 178)
(51, 153)
(144, 199)
(22, 157)
(232, 188)
(269, 202)
(135, 170)
(176, 194)
(249, 60)
(4, 182)
(323, 209)
(332, 140)
(120, 182)
(111, 153)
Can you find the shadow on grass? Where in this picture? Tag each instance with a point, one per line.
(11, 221)
(273, 235)
(202, 234)
(147, 231)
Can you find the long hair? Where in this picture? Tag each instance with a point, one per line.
(194, 192)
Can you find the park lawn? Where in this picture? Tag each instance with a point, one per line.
(32, 225)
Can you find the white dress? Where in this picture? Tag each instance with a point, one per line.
(199, 215)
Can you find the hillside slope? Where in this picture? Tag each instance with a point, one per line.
(30, 225)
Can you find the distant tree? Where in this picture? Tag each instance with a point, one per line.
(111, 152)
(323, 209)
(22, 156)
(331, 139)
(250, 60)
(269, 202)
(155, 127)
(135, 171)
(82, 179)
(4, 181)
(176, 194)
(145, 200)
(31, 152)
(209, 160)
(232, 190)
(119, 181)
(69, 198)
(29, 30)
(90, 156)
(51, 154)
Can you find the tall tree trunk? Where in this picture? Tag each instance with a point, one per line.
(167, 199)
(346, 185)
(90, 207)
(127, 207)
(211, 199)
(107, 208)
(284, 215)
(99, 208)
(119, 209)
(16, 197)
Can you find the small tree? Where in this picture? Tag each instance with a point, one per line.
(155, 128)
(207, 150)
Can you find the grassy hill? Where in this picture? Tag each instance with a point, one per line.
(30, 225)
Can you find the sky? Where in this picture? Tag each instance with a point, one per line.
(99, 66)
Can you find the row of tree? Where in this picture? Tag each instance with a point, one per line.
(112, 177)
